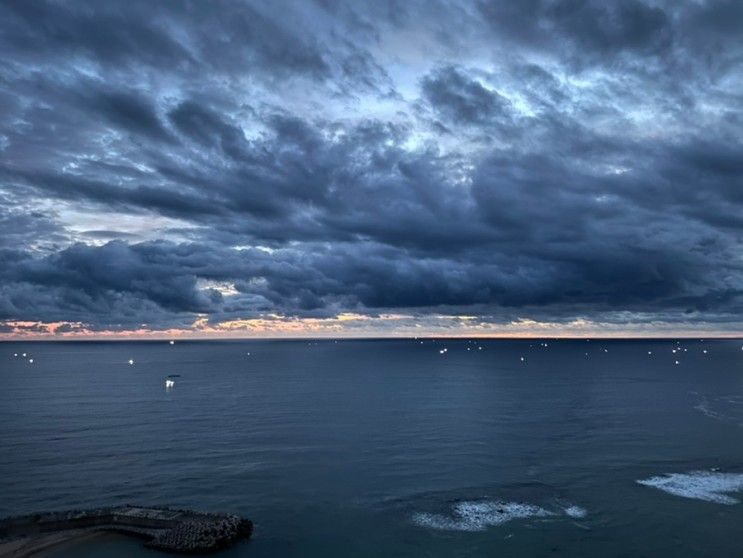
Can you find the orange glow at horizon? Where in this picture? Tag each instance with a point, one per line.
(353, 325)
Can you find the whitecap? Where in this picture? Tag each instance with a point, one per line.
(576, 512)
(699, 485)
(478, 516)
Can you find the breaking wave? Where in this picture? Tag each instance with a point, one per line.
(576, 512)
(479, 515)
(709, 486)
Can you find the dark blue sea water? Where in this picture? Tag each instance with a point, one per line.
(389, 448)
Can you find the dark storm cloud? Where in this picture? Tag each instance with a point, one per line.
(128, 112)
(462, 99)
(18, 224)
(594, 26)
(224, 35)
(541, 159)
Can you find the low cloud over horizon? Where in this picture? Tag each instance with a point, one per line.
(544, 167)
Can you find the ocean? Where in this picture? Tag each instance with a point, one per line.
(389, 448)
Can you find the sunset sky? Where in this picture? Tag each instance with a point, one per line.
(327, 168)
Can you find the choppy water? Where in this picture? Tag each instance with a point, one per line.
(390, 448)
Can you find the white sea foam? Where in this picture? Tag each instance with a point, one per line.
(705, 409)
(478, 516)
(700, 485)
(723, 408)
(576, 512)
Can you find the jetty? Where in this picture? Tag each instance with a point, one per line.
(162, 528)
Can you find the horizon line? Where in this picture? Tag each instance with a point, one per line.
(123, 338)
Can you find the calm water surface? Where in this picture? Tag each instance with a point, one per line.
(389, 448)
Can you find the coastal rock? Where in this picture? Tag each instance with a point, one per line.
(166, 529)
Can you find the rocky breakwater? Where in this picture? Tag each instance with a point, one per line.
(167, 529)
(205, 533)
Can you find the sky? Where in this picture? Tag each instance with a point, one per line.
(387, 168)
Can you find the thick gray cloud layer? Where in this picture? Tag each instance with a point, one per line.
(545, 159)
